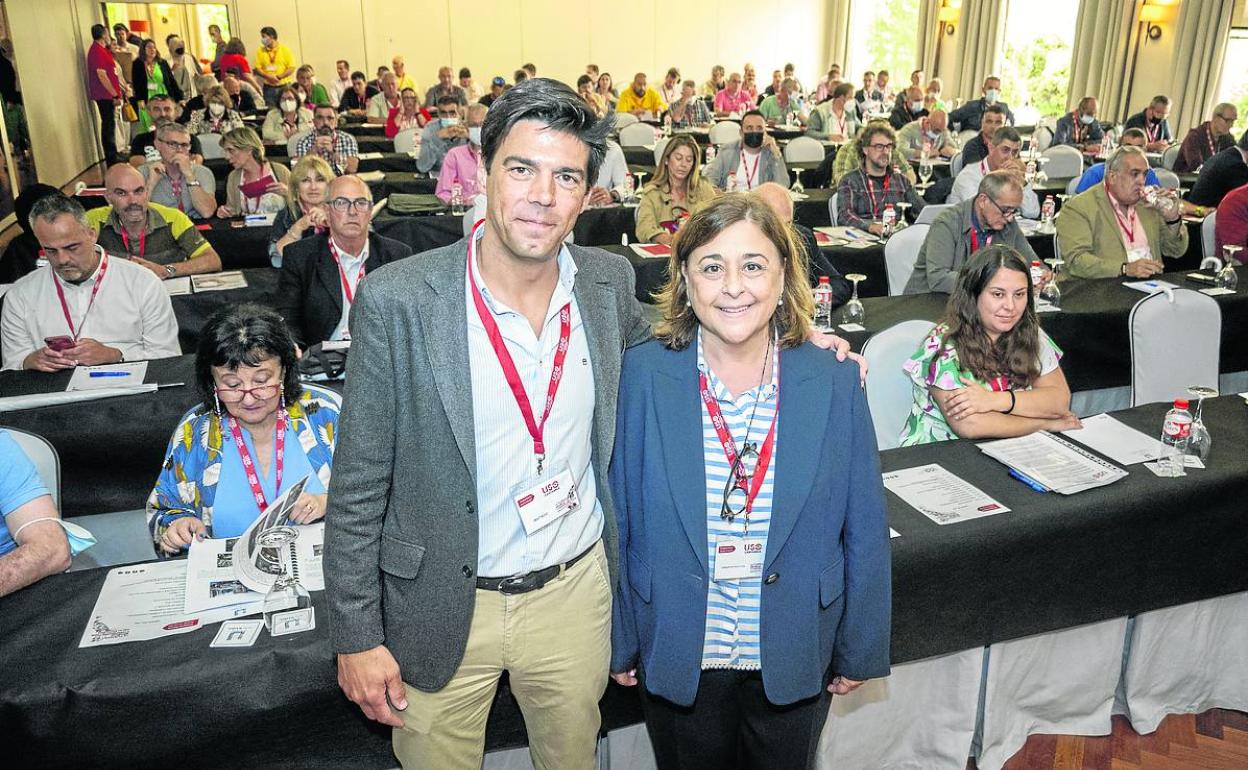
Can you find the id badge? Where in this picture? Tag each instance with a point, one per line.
(545, 499)
(739, 558)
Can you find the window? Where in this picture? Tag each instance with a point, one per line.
(883, 36)
(1233, 87)
(1035, 60)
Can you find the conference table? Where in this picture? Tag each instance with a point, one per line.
(1050, 563)
(115, 446)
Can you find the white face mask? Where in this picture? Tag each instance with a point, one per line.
(289, 105)
(474, 135)
(1087, 119)
(217, 109)
(916, 106)
(991, 95)
(933, 134)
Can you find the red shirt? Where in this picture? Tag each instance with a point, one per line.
(236, 62)
(100, 58)
(1232, 222)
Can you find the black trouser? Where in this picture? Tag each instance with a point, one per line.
(732, 726)
(108, 129)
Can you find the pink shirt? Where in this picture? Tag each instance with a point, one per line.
(460, 166)
(1134, 238)
(726, 102)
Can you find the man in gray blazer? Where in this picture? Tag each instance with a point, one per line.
(469, 529)
(753, 161)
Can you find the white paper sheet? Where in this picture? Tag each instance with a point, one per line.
(370, 156)
(1151, 286)
(210, 579)
(940, 495)
(1216, 291)
(233, 279)
(107, 376)
(144, 601)
(36, 400)
(1053, 462)
(178, 287)
(1116, 441)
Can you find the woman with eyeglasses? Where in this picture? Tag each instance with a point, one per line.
(409, 114)
(754, 570)
(255, 413)
(987, 369)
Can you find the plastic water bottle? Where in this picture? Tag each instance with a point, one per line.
(457, 200)
(629, 187)
(1047, 212)
(1037, 277)
(823, 304)
(710, 153)
(732, 182)
(888, 219)
(1176, 431)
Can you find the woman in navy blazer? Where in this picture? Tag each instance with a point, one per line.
(739, 615)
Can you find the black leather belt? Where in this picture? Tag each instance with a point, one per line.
(530, 581)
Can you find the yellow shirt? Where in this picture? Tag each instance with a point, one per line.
(274, 62)
(630, 101)
(406, 82)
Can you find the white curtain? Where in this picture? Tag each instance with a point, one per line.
(1201, 32)
(981, 31)
(1105, 35)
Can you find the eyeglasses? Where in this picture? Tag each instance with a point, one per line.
(888, 147)
(737, 492)
(343, 205)
(184, 146)
(235, 395)
(1009, 212)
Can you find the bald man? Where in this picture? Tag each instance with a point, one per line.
(320, 275)
(779, 200)
(403, 80)
(159, 238)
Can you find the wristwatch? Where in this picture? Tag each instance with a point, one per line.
(1122, 269)
(195, 183)
(171, 271)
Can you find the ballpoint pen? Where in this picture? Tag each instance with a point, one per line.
(1037, 486)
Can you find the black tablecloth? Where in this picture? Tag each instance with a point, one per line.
(193, 310)
(1052, 562)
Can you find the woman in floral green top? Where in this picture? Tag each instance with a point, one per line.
(987, 370)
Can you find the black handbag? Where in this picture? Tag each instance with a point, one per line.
(323, 364)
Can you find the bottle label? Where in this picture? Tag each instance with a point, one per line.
(1177, 429)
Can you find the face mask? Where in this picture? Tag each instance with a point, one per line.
(1086, 119)
(448, 122)
(991, 95)
(933, 135)
(216, 109)
(753, 139)
(474, 135)
(79, 538)
(916, 106)
(289, 105)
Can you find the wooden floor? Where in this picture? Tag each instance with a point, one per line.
(1214, 740)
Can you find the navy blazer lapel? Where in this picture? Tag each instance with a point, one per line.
(804, 406)
(678, 409)
(445, 325)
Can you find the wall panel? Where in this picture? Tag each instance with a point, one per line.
(488, 42)
(330, 30)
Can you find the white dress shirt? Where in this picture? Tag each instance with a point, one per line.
(966, 186)
(336, 89)
(614, 167)
(351, 269)
(504, 448)
(132, 313)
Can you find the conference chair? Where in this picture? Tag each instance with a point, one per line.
(46, 461)
(890, 393)
(900, 252)
(955, 165)
(406, 141)
(1208, 243)
(211, 145)
(1183, 660)
(1169, 157)
(1064, 161)
(929, 213)
(293, 143)
(624, 119)
(1073, 184)
(832, 208)
(659, 146)
(1042, 138)
(637, 135)
(1176, 338)
(725, 132)
(803, 149)
(1167, 179)
(965, 136)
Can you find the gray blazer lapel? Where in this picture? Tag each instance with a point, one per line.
(598, 304)
(445, 325)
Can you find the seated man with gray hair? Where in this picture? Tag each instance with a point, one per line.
(1111, 230)
(177, 180)
(70, 314)
(965, 228)
(1003, 155)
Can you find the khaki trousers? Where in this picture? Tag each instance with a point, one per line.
(555, 644)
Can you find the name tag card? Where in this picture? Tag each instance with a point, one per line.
(545, 499)
(739, 558)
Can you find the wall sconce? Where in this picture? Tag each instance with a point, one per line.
(948, 17)
(1152, 14)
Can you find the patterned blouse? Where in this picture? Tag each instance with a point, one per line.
(187, 485)
(936, 365)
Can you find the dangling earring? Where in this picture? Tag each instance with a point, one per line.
(217, 399)
(282, 397)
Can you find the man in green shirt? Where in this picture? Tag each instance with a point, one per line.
(782, 106)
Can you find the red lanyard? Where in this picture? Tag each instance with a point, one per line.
(1152, 129)
(1209, 136)
(875, 210)
(253, 480)
(975, 240)
(749, 175)
(755, 483)
(60, 293)
(536, 429)
(1127, 225)
(125, 238)
(1078, 129)
(838, 122)
(346, 287)
(177, 198)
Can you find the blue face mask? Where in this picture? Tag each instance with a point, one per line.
(1087, 119)
(79, 538)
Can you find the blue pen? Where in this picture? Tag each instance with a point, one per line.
(108, 374)
(1037, 486)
